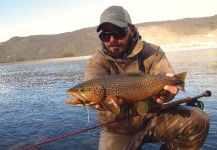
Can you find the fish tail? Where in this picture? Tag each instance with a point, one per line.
(181, 87)
(181, 80)
(182, 76)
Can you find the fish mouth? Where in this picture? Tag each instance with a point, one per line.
(77, 99)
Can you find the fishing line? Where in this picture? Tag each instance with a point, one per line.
(71, 134)
(163, 107)
(88, 116)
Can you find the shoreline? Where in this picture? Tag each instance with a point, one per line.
(166, 49)
(189, 47)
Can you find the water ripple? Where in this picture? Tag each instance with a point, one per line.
(33, 110)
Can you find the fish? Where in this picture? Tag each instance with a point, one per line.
(133, 88)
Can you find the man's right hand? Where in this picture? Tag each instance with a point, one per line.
(100, 108)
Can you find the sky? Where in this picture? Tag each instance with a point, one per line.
(39, 17)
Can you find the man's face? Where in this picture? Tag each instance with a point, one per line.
(115, 39)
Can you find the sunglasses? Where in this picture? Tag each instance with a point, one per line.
(118, 34)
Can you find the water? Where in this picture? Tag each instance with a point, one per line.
(32, 107)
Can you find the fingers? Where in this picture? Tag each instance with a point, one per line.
(163, 99)
(171, 89)
(170, 74)
(120, 102)
(100, 107)
(159, 99)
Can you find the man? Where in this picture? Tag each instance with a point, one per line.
(123, 51)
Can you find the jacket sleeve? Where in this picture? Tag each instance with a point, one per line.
(161, 63)
(96, 67)
(156, 61)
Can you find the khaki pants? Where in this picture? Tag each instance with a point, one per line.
(183, 128)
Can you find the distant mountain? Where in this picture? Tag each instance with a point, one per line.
(170, 34)
(182, 30)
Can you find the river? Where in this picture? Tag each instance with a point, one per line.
(32, 107)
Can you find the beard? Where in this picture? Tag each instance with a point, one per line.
(117, 50)
(120, 50)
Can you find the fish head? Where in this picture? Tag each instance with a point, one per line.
(85, 94)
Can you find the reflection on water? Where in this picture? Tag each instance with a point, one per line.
(32, 100)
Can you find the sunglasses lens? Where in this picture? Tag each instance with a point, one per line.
(119, 34)
(105, 36)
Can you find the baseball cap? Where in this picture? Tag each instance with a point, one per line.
(116, 15)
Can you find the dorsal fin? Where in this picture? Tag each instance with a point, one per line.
(134, 74)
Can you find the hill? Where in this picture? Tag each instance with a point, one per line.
(182, 33)
(171, 35)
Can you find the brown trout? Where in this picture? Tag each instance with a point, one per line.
(132, 88)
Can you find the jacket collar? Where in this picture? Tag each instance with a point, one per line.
(135, 51)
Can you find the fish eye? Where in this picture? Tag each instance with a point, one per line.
(81, 90)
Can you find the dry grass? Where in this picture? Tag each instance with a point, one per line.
(171, 35)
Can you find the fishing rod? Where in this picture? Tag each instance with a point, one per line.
(190, 101)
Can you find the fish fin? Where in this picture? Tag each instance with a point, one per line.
(181, 87)
(135, 74)
(181, 78)
(142, 108)
(111, 103)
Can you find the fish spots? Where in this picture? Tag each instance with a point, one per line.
(131, 88)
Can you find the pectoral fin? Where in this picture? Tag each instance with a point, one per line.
(142, 108)
(111, 103)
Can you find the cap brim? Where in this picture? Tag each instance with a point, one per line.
(118, 23)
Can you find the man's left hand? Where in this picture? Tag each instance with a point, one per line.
(172, 91)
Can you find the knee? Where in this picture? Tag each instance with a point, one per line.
(199, 119)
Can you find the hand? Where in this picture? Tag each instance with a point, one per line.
(100, 107)
(172, 91)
